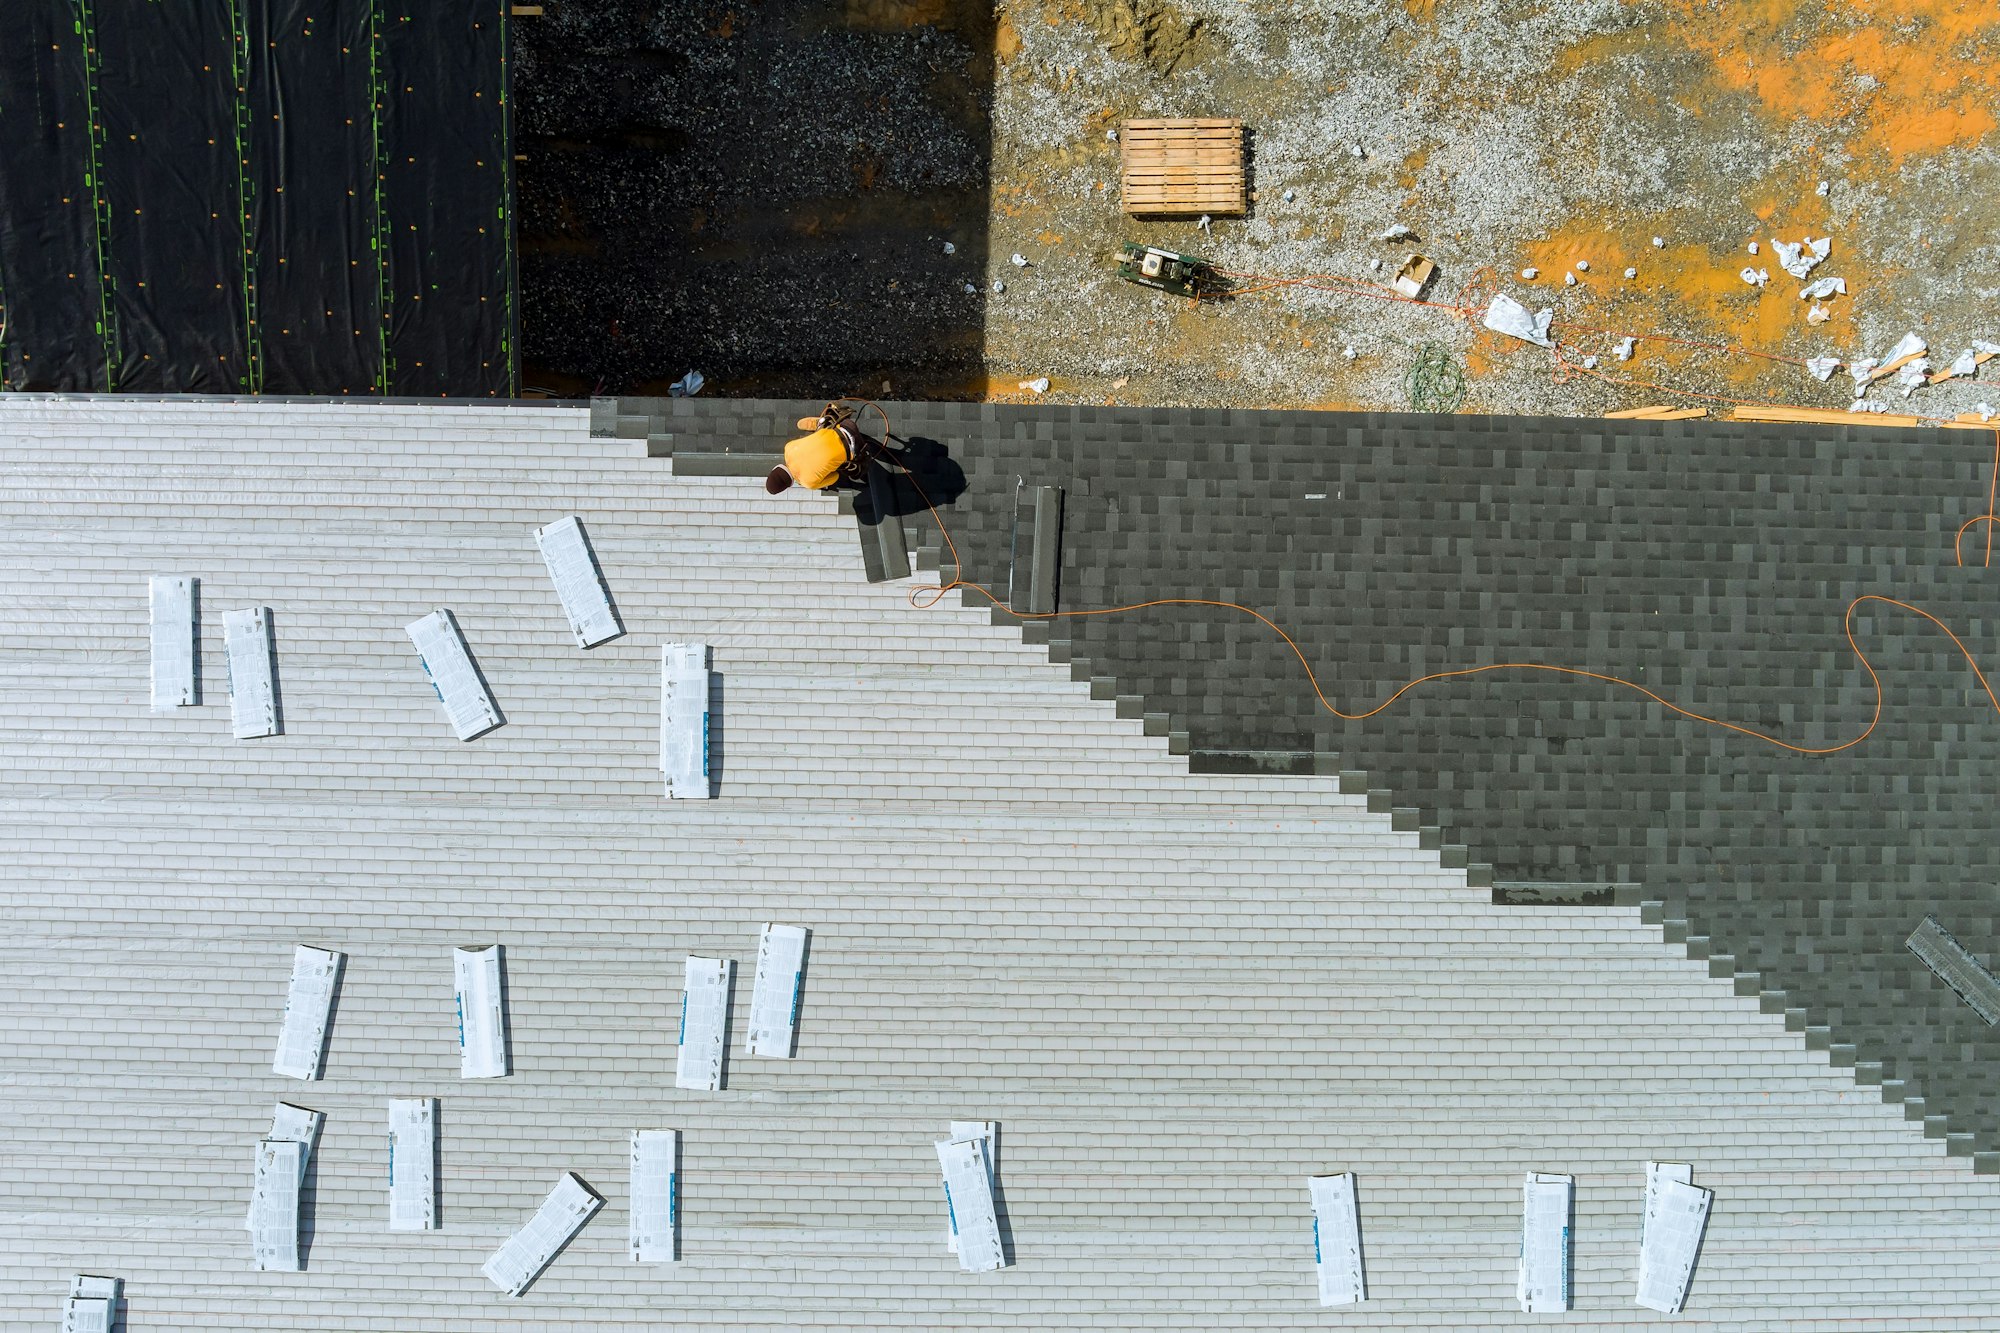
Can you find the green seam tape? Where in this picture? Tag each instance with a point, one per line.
(509, 262)
(379, 242)
(253, 338)
(107, 315)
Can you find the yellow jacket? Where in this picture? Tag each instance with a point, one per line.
(815, 460)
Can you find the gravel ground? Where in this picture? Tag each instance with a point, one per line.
(802, 249)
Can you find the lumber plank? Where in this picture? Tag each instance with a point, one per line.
(1824, 416)
(1658, 412)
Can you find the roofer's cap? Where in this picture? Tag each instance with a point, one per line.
(778, 480)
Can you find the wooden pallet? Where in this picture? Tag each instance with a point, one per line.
(1179, 168)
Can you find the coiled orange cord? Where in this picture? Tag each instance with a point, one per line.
(926, 596)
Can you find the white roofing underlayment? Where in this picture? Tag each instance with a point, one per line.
(1179, 994)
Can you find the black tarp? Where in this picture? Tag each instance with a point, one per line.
(50, 288)
(279, 196)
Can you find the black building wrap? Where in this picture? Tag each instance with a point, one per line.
(257, 196)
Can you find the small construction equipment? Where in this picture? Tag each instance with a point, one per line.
(1182, 275)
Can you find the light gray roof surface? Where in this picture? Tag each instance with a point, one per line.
(1179, 995)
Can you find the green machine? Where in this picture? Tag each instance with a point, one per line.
(1183, 275)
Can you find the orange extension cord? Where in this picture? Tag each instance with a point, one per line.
(929, 595)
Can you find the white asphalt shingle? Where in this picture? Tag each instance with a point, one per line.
(1179, 996)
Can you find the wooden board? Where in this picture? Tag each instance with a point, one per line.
(1176, 168)
(1658, 412)
(1824, 417)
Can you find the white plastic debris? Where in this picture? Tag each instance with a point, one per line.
(1822, 367)
(687, 386)
(950, 249)
(1359, 152)
(971, 290)
(1590, 363)
(1860, 405)
(1659, 242)
(1965, 363)
(1821, 288)
(1802, 258)
(1985, 411)
(1018, 260)
(1530, 273)
(1861, 370)
(1824, 186)
(1396, 233)
(1626, 346)
(1289, 196)
(1909, 344)
(1349, 353)
(1377, 266)
(1583, 266)
(1756, 277)
(1111, 135)
(1753, 247)
(1039, 384)
(1914, 375)
(1508, 316)
(1631, 272)
(998, 286)
(1569, 279)
(1819, 314)
(1206, 224)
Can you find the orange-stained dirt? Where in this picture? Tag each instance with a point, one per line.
(1908, 78)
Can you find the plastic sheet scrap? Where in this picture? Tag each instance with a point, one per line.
(1822, 367)
(1821, 288)
(1966, 364)
(687, 386)
(1508, 316)
(1756, 277)
(1623, 351)
(1802, 258)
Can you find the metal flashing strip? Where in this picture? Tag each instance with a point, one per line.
(468, 704)
(656, 1196)
(885, 548)
(176, 640)
(774, 995)
(308, 1010)
(413, 1164)
(1035, 549)
(1956, 968)
(253, 687)
(482, 1013)
(516, 1264)
(1337, 1240)
(579, 580)
(704, 1031)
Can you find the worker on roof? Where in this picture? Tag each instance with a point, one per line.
(832, 452)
